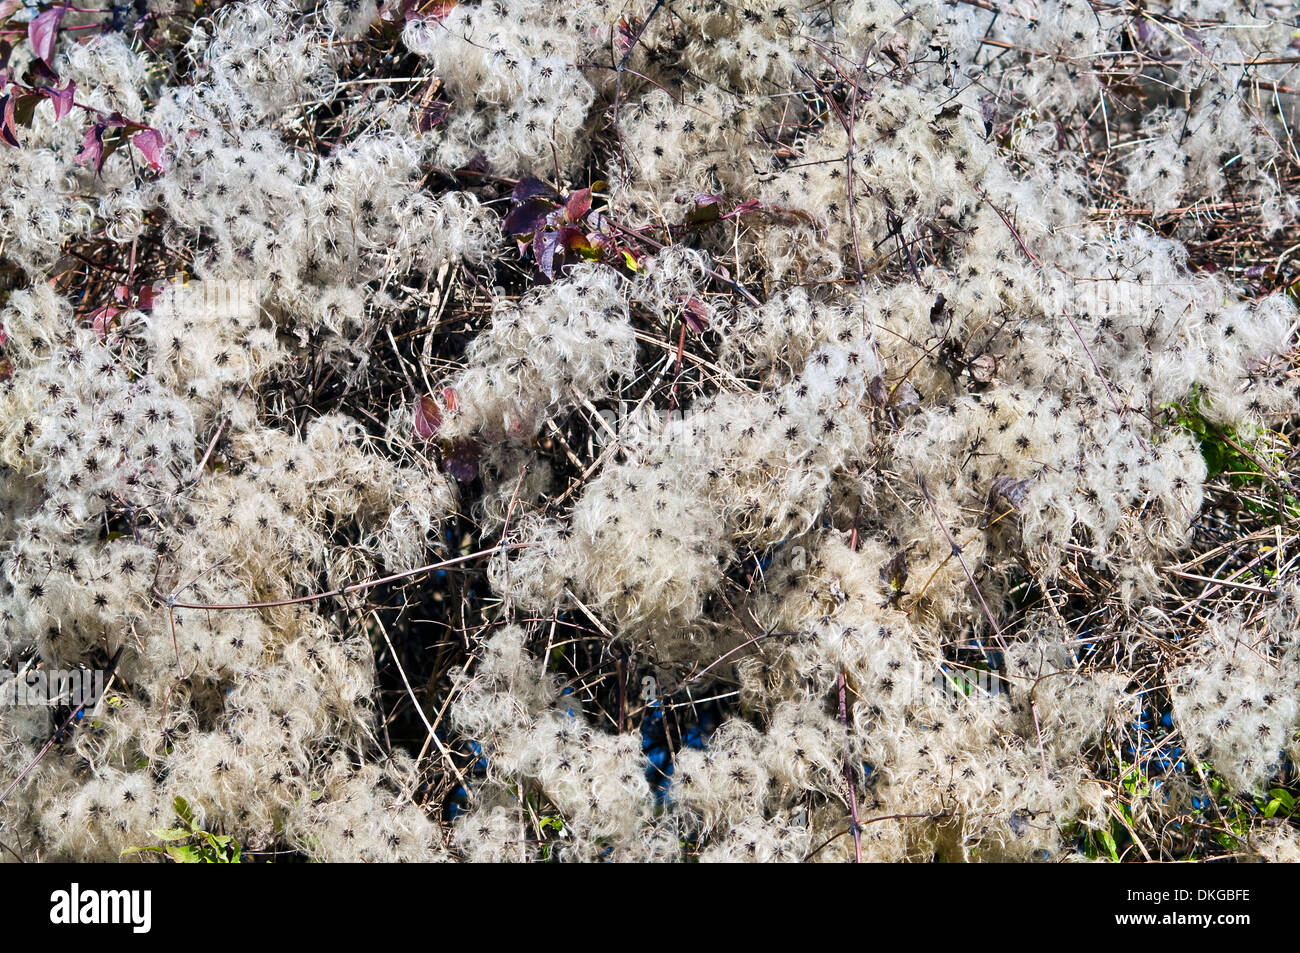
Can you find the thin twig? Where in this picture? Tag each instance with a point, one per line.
(355, 587)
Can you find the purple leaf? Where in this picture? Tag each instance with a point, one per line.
(1006, 491)
(988, 112)
(432, 116)
(544, 244)
(462, 461)
(150, 144)
(602, 244)
(531, 188)
(92, 147)
(1194, 38)
(528, 217)
(63, 99)
(44, 30)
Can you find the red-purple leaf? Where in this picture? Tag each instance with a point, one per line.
(102, 319)
(696, 315)
(428, 418)
(92, 148)
(16, 110)
(7, 131)
(43, 30)
(578, 204)
(425, 10)
(626, 35)
(150, 144)
(62, 99)
(572, 238)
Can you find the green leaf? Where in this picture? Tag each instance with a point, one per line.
(185, 855)
(1108, 841)
(182, 809)
(172, 833)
